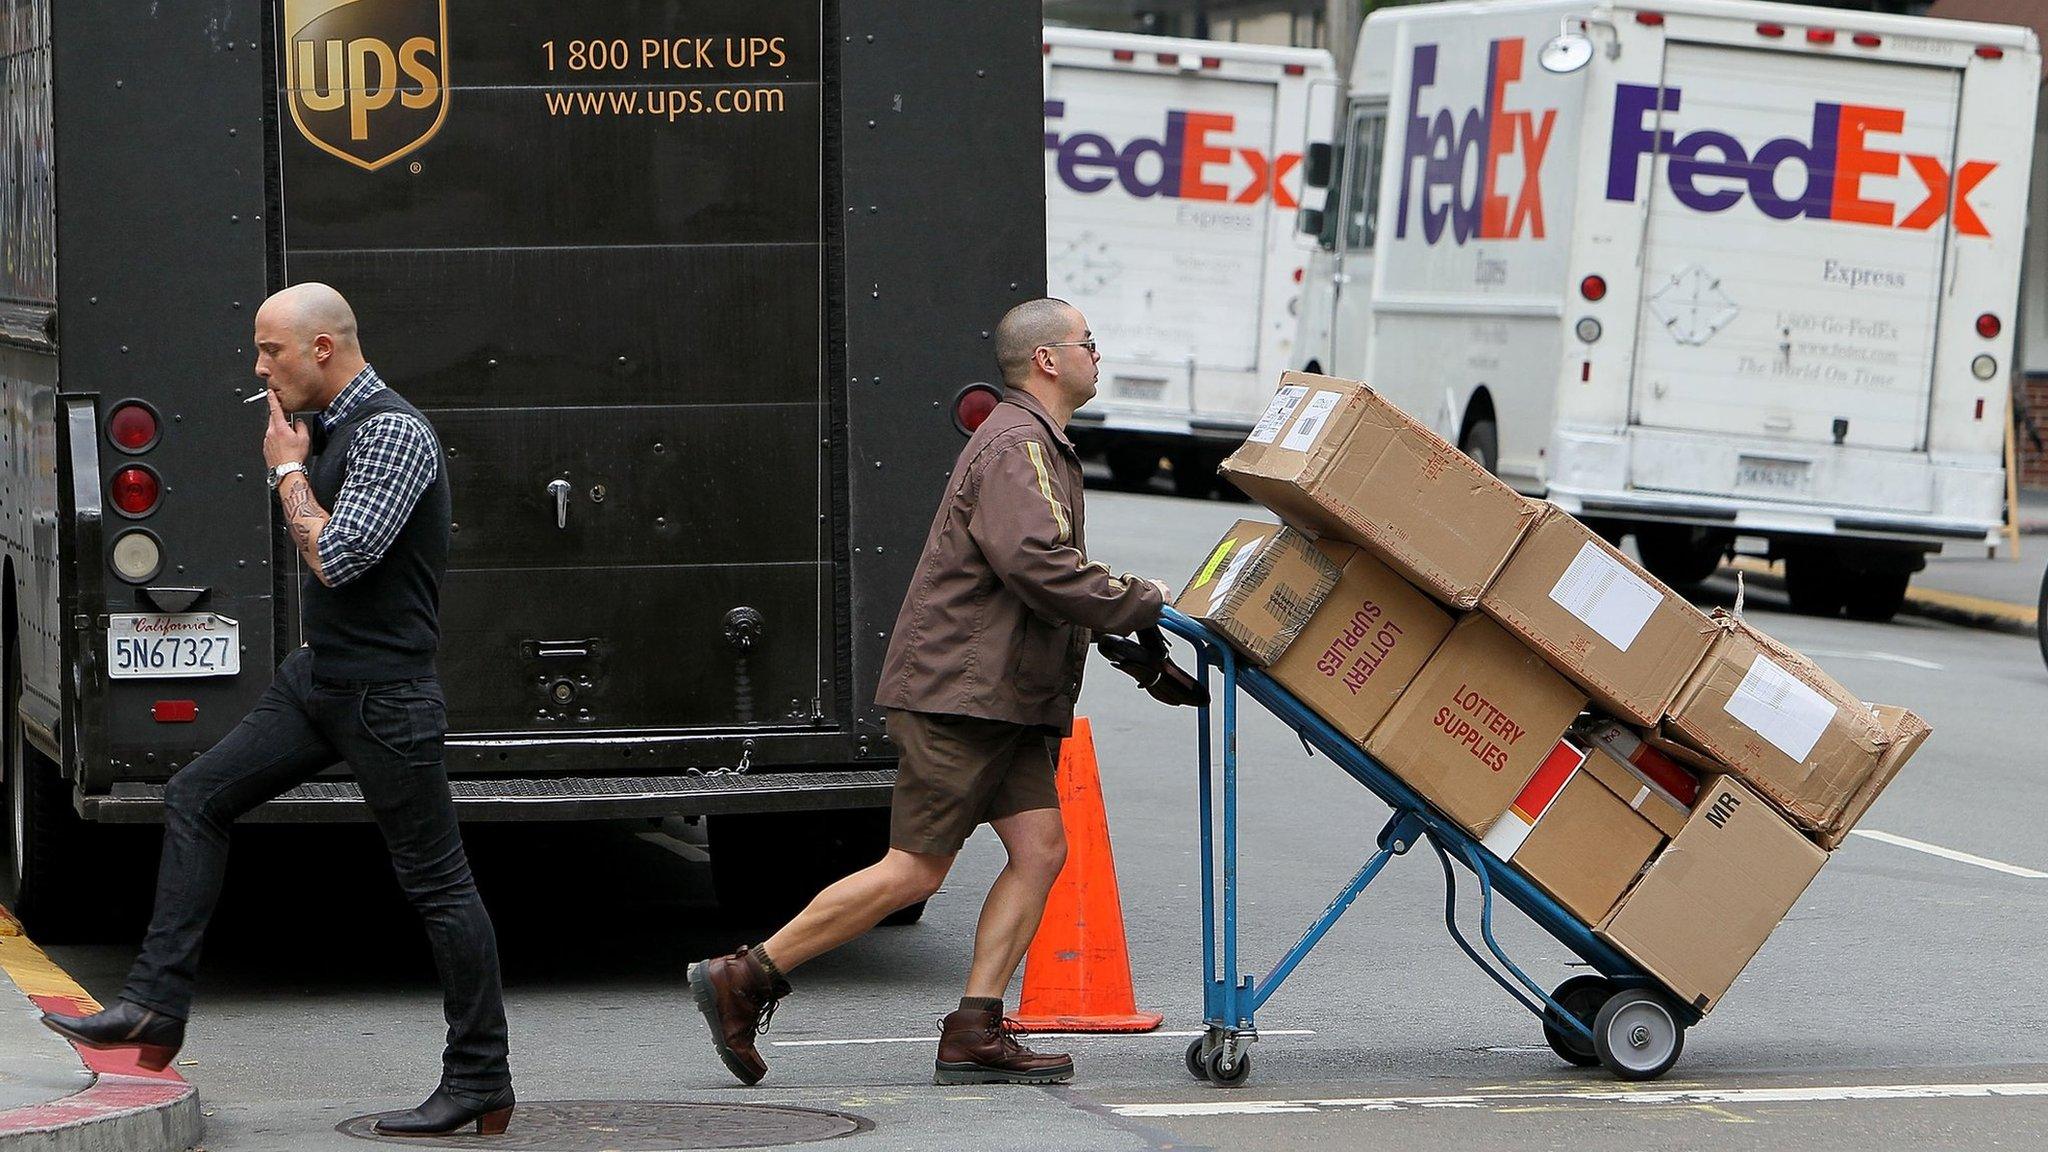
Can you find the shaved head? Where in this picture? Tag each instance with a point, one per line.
(310, 310)
(1027, 328)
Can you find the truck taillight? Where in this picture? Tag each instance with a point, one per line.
(136, 490)
(1169, 57)
(1988, 52)
(133, 427)
(137, 555)
(1123, 55)
(1212, 62)
(1989, 326)
(1867, 40)
(1295, 69)
(1771, 31)
(1820, 35)
(972, 406)
(1650, 19)
(1593, 287)
(175, 711)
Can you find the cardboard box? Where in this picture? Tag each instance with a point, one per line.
(1714, 894)
(1574, 837)
(1775, 719)
(1364, 646)
(1334, 458)
(1907, 732)
(1599, 618)
(1259, 587)
(1476, 724)
(1658, 787)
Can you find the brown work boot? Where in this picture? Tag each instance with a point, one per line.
(737, 995)
(979, 1046)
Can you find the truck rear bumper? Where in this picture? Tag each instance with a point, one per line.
(575, 798)
(1893, 496)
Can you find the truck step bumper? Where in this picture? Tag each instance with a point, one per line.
(565, 798)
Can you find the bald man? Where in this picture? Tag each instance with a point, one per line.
(979, 682)
(370, 519)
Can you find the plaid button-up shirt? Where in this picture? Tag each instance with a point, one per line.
(391, 459)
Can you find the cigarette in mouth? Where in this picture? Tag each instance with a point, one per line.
(259, 396)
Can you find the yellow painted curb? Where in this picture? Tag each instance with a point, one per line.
(31, 968)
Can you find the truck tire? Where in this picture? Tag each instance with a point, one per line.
(1194, 473)
(765, 866)
(1482, 443)
(49, 859)
(1132, 465)
(1681, 555)
(1875, 596)
(2041, 618)
(1815, 582)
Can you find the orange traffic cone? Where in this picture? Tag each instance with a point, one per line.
(1077, 975)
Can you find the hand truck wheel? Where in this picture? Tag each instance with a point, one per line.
(1225, 1071)
(1581, 996)
(1637, 1034)
(1197, 1060)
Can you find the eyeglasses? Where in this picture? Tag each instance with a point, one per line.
(1088, 344)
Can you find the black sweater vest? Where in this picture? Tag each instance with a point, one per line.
(384, 624)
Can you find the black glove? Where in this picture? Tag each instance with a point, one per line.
(1145, 660)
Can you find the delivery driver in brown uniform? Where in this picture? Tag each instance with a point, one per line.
(980, 681)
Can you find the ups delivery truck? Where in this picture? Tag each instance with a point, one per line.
(697, 297)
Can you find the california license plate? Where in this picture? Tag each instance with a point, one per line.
(1766, 474)
(152, 645)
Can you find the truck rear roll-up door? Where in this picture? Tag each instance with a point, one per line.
(1799, 216)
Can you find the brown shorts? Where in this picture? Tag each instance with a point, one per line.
(958, 772)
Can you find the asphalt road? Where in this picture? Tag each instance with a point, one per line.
(1886, 1012)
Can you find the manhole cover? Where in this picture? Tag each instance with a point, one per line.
(636, 1126)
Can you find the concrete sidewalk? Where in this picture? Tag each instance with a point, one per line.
(57, 1098)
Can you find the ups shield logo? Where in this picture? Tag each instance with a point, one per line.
(367, 80)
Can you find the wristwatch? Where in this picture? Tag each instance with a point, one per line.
(276, 475)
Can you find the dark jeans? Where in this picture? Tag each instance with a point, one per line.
(391, 736)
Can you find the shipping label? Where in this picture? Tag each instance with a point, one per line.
(1779, 707)
(1314, 415)
(1283, 405)
(1605, 596)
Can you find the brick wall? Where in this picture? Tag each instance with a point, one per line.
(2034, 461)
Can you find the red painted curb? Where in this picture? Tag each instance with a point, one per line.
(111, 1097)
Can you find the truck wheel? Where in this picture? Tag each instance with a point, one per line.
(1132, 465)
(765, 866)
(1482, 443)
(1681, 555)
(48, 858)
(1815, 582)
(2041, 618)
(1875, 596)
(1194, 473)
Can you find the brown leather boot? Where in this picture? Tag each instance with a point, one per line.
(979, 1046)
(737, 995)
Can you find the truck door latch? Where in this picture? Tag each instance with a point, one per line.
(559, 488)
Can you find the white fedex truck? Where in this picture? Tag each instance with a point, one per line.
(1172, 172)
(1724, 275)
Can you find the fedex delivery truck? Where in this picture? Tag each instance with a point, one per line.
(1717, 274)
(1172, 171)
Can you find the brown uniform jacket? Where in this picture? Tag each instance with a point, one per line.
(997, 620)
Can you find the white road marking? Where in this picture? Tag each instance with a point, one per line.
(1063, 1036)
(1880, 657)
(1684, 1097)
(1949, 854)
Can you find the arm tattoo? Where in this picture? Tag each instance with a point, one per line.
(304, 516)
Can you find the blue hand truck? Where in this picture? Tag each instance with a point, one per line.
(1618, 1015)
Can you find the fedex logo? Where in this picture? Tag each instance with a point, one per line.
(1442, 151)
(1841, 151)
(1187, 163)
